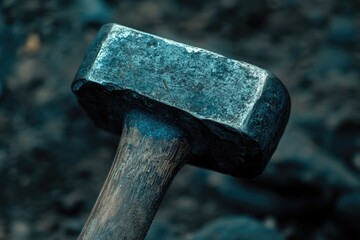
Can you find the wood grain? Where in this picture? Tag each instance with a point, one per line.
(143, 168)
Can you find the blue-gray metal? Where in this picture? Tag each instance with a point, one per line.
(233, 112)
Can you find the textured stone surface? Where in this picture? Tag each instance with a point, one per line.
(241, 107)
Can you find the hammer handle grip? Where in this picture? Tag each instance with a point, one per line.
(144, 166)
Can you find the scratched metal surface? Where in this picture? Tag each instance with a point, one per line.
(233, 111)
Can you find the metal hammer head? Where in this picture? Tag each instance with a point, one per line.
(234, 112)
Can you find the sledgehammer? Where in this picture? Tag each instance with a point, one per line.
(172, 104)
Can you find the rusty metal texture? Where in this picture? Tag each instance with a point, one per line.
(234, 112)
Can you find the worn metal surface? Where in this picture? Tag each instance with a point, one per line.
(233, 112)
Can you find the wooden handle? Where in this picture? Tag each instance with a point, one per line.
(149, 155)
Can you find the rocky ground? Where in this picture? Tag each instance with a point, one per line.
(53, 160)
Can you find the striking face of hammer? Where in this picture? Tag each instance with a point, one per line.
(231, 113)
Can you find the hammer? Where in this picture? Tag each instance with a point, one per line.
(172, 104)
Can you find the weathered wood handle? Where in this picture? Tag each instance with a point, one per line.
(149, 155)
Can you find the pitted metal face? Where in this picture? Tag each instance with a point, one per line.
(233, 112)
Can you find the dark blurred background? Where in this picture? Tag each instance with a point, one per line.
(53, 160)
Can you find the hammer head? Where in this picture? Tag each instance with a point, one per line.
(234, 112)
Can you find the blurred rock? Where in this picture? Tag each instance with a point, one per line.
(73, 227)
(347, 212)
(343, 30)
(254, 199)
(344, 139)
(32, 44)
(2, 234)
(316, 12)
(192, 3)
(94, 13)
(2, 89)
(316, 16)
(160, 231)
(5, 65)
(240, 19)
(300, 162)
(46, 223)
(20, 230)
(150, 11)
(327, 60)
(236, 228)
(71, 204)
(228, 3)
(11, 37)
(356, 160)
